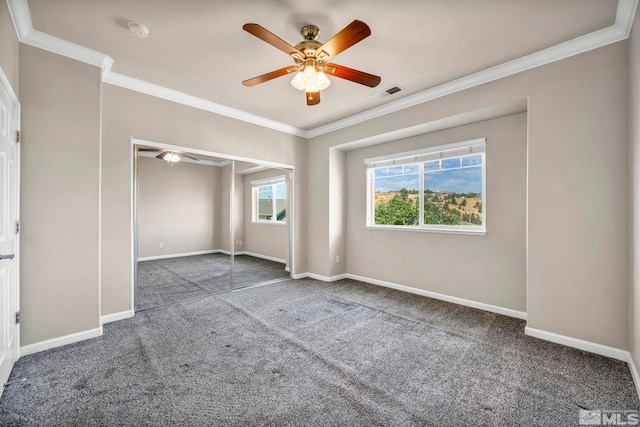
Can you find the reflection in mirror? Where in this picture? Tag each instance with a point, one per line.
(181, 208)
(261, 230)
(206, 225)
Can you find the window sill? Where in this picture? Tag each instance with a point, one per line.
(427, 230)
(269, 222)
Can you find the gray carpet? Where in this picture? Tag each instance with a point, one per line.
(310, 353)
(170, 280)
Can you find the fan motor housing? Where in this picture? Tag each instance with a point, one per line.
(310, 32)
(309, 47)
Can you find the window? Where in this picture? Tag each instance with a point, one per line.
(437, 189)
(269, 200)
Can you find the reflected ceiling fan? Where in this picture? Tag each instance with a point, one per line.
(311, 58)
(168, 155)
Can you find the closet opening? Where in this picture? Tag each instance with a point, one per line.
(206, 223)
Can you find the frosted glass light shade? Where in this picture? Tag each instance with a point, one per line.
(297, 81)
(322, 81)
(310, 80)
(170, 157)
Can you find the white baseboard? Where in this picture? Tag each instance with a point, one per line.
(151, 258)
(634, 374)
(114, 317)
(461, 301)
(600, 349)
(319, 277)
(212, 251)
(603, 350)
(60, 341)
(267, 257)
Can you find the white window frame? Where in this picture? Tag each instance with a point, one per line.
(419, 157)
(255, 185)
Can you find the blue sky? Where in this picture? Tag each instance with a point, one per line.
(467, 180)
(266, 192)
(447, 176)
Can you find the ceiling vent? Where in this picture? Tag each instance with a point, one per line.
(390, 91)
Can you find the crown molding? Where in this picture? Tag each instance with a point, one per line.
(70, 50)
(625, 14)
(615, 33)
(152, 89)
(21, 18)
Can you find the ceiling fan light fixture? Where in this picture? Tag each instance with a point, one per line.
(311, 58)
(310, 80)
(169, 157)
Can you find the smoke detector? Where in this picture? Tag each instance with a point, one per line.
(139, 30)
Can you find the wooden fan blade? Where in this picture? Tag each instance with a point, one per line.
(275, 41)
(270, 76)
(352, 75)
(313, 98)
(347, 37)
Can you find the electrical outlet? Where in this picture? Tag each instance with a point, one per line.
(161, 245)
(338, 260)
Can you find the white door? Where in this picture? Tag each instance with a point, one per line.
(9, 281)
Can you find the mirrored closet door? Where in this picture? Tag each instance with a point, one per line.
(261, 211)
(206, 224)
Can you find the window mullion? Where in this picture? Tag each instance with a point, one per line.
(254, 207)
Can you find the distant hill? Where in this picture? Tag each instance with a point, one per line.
(463, 203)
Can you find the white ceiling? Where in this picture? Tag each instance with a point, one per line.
(198, 47)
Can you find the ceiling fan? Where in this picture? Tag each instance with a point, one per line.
(167, 155)
(311, 58)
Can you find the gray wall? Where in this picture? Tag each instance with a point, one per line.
(9, 61)
(177, 206)
(490, 269)
(265, 239)
(578, 260)
(60, 196)
(634, 117)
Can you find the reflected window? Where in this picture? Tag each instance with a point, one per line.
(269, 200)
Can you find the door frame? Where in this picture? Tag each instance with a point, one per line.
(135, 142)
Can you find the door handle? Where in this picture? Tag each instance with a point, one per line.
(12, 256)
